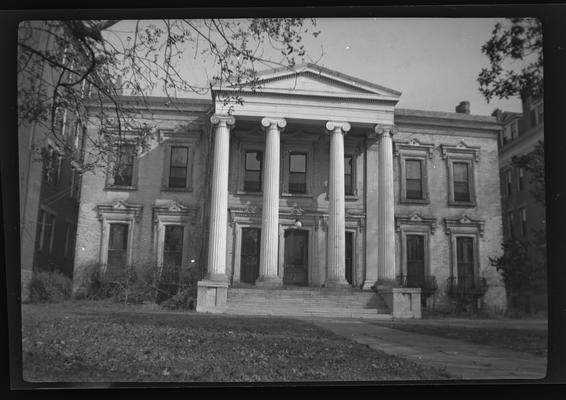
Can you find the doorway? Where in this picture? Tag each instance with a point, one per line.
(249, 261)
(295, 268)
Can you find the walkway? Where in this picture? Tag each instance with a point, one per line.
(461, 359)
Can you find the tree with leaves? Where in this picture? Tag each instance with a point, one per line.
(71, 69)
(515, 60)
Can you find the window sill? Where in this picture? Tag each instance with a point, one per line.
(121, 188)
(462, 204)
(175, 189)
(415, 201)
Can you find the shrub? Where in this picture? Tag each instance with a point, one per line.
(183, 300)
(49, 287)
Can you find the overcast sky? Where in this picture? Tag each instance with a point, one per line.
(434, 62)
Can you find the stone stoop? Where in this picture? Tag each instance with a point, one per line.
(307, 301)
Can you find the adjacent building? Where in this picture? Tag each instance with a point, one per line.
(315, 180)
(523, 216)
(49, 183)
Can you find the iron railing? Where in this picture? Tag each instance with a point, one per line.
(426, 283)
(466, 285)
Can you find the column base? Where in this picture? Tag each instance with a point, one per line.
(211, 296)
(404, 303)
(216, 277)
(342, 283)
(269, 281)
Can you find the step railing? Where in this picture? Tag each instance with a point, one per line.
(427, 283)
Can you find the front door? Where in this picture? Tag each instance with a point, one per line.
(415, 261)
(296, 257)
(249, 262)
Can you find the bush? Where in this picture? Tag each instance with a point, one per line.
(183, 300)
(49, 287)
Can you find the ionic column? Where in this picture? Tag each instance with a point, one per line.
(386, 208)
(269, 245)
(219, 199)
(336, 275)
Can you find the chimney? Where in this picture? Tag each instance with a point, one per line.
(497, 113)
(463, 107)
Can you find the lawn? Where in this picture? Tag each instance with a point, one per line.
(81, 341)
(531, 341)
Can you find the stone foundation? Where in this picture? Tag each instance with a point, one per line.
(211, 296)
(402, 302)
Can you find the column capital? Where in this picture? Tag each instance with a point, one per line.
(337, 127)
(222, 120)
(385, 129)
(280, 123)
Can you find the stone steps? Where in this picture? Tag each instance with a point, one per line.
(326, 302)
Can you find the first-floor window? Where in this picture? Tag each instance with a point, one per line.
(465, 261)
(45, 232)
(173, 246)
(461, 182)
(415, 261)
(523, 213)
(117, 246)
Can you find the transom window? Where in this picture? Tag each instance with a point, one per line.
(178, 166)
(461, 182)
(348, 176)
(414, 185)
(297, 172)
(253, 171)
(124, 168)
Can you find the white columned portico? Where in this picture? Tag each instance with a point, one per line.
(386, 208)
(336, 275)
(219, 199)
(269, 246)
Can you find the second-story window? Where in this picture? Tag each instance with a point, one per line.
(414, 184)
(253, 171)
(461, 182)
(348, 176)
(178, 167)
(124, 168)
(297, 172)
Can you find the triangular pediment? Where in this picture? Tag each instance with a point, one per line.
(315, 80)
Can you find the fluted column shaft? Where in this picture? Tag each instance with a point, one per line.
(336, 248)
(269, 246)
(386, 208)
(219, 199)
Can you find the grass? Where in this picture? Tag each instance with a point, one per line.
(531, 341)
(81, 341)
